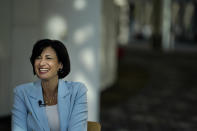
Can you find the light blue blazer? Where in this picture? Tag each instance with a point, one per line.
(27, 115)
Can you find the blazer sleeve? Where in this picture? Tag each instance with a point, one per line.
(79, 116)
(19, 112)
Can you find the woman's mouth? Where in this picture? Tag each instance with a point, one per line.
(43, 70)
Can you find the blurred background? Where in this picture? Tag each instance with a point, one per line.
(136, 57)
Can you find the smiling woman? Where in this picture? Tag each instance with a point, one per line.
(50, 103)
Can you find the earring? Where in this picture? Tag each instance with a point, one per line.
(60, 71)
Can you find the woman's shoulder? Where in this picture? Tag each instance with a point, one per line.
(77, 90)
(76, 86)
(74, 83)
(23, 86)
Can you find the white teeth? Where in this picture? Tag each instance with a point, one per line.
(43, 69)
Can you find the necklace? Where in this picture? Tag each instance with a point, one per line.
(50, 100)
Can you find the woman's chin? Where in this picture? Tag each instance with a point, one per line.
(43, 77)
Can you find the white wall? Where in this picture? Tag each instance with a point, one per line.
(25, 31)
(5, 57)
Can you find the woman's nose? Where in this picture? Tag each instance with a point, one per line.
(42, 62)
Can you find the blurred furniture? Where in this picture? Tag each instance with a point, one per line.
(94, 126)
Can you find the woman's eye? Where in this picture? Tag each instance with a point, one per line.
(49, 58)
(38, 57)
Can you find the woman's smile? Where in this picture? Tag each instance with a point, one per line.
(43, 70)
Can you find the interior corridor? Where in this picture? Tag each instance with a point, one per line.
(154, 91)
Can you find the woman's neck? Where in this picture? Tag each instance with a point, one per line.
(50, 87)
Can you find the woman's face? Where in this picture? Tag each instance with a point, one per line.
(46, 65)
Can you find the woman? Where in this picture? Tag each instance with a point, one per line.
(50, 104)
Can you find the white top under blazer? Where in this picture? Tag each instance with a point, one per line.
(53, 117)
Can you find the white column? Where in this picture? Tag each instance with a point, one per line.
(166, 25)
(84, 38)
(109, 43)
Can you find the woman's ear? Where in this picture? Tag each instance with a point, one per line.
(61, 66)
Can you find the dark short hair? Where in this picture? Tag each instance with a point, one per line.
(61, 52)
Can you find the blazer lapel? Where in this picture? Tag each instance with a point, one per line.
(39, 112)
(63, 104)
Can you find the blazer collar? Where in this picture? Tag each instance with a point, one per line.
(63, 104)
(36, 90)
(62, 88)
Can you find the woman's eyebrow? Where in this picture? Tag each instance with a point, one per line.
(47, 55)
